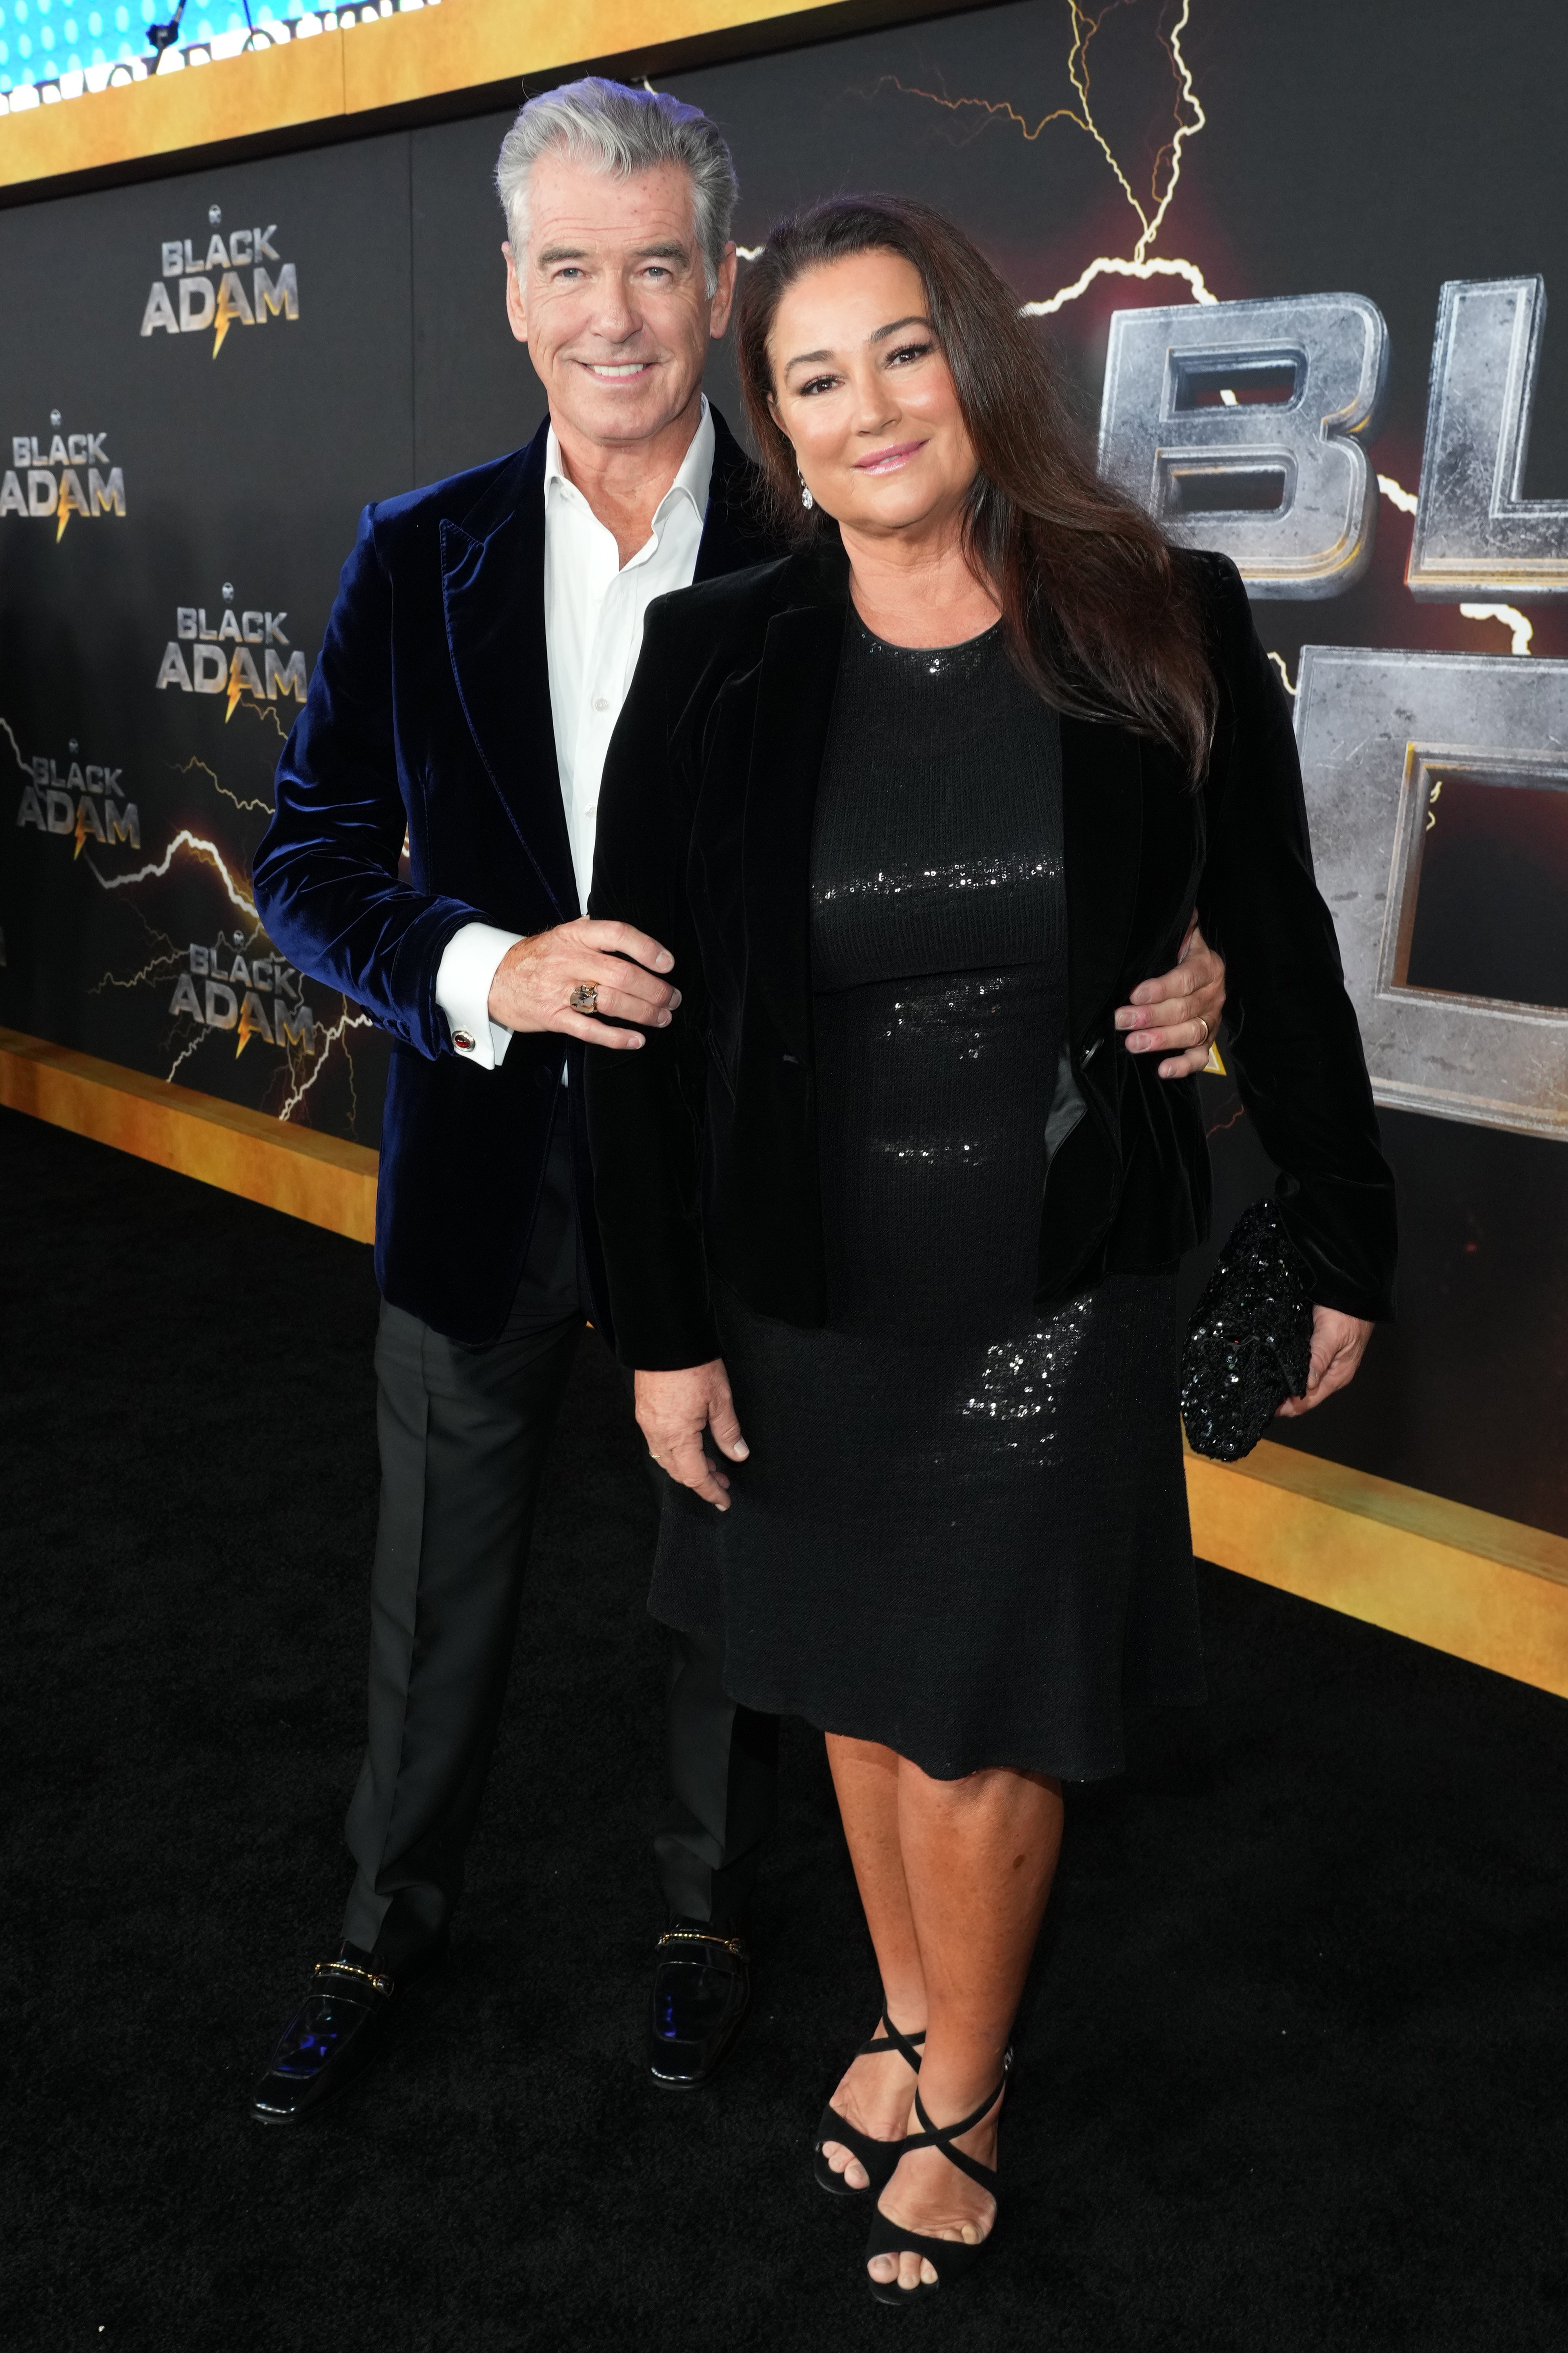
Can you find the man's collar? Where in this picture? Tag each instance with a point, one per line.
(692, 481)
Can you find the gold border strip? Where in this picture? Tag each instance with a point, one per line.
(1481, 1588)
(318, 1178)
(339, 81)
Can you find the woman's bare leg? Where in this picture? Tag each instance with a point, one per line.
(874, 2095)
(978, 1856)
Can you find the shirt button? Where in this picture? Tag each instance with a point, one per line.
(600, 702)
(464, 1040)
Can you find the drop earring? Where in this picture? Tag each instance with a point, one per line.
(807, 501)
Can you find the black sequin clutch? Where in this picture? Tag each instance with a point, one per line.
(1249, 1344)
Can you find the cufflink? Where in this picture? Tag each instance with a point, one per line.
(464, 1040)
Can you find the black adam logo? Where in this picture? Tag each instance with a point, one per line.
(233, 995)
(82, 803)
(230, 285)
(64, 474)
(244, 653)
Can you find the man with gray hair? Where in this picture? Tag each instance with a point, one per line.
(478, 655)
(479, 649)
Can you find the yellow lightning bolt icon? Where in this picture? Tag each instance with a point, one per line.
(236, 689)
(80, 827)
(62, 512)
(248, 1027)
(226, 312)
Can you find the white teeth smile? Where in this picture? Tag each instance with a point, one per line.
(631, 367)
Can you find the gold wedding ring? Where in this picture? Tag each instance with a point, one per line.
(1204, 1026)
(584, 996)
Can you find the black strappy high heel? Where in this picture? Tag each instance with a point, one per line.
(878, 2156)
(950, 2257)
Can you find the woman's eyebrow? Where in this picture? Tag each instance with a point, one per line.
(894, 327)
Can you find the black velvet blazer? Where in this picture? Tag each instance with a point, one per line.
(704, 1142)
(429, 714)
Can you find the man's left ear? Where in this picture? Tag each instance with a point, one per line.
(723, 293)
(516, 305)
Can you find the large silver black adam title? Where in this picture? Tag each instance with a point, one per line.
(1284, 486)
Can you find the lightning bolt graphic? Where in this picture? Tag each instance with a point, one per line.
(236, 689)
(81, 829)
(184, 767)
(1190, 119)
(262, 711)
(248, 1027)
(163, 956)
(186, 1051)
(1511, 618)
(1405, 500)
(184, 840)
(62, 511)
(153, 969)
(16, 750)
(329, 1038)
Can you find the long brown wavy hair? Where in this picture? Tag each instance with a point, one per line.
(1099, 618)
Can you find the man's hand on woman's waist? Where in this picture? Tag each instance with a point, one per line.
(1178, 1014)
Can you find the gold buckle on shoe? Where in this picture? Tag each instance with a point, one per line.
(703, 1937)
(377, 1981)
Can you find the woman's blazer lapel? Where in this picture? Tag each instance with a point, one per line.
(795, 686)
(492, 585)
(1102, 825)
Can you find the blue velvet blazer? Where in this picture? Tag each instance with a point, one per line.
(705, 1142)
(429, 714)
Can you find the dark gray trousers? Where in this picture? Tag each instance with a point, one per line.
(464, 1435)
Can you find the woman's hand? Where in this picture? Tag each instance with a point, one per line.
(1339, 1344)
(673, 1411)
(1179, 1013)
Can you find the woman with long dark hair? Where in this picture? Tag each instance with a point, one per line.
(914, 808)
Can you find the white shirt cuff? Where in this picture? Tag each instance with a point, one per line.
(469, 962)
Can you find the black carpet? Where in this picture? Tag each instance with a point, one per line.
(1293, 2066)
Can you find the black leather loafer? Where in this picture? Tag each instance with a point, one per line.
(701, 1990)
(333, 2035)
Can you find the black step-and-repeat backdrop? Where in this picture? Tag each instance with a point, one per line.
(1298, 262)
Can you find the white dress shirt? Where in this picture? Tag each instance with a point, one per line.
(594, 612)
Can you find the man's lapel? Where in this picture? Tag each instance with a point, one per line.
(733, 533)
(1102, 822)
(492, 581)
(798, 678)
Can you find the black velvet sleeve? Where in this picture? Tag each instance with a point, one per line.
(646, 1109)
(1294, 1037)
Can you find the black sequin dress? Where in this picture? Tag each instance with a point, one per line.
(962, 1529)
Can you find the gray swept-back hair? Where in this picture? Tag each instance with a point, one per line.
(617, 130)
